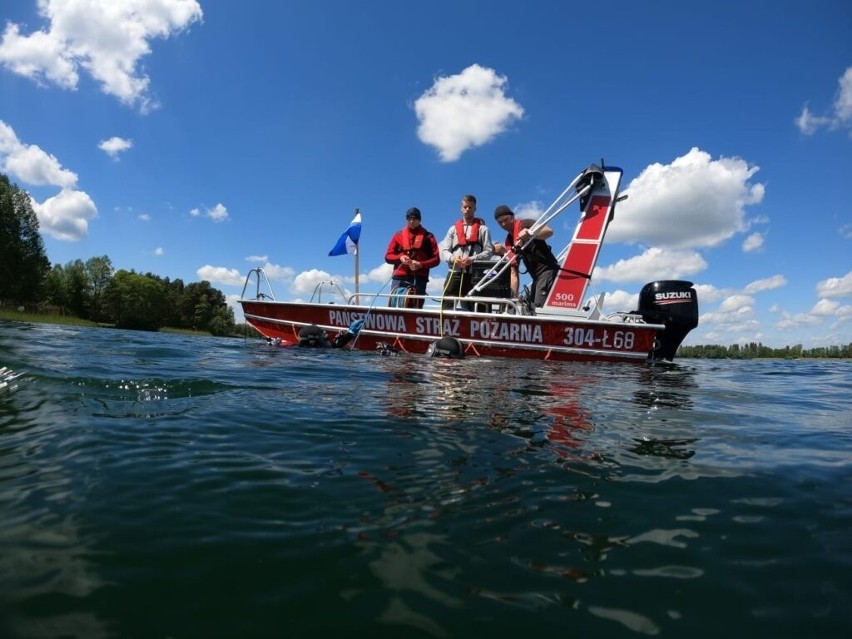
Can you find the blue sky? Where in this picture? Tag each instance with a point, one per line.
(197, 140)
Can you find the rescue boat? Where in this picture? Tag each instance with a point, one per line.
(566, 328)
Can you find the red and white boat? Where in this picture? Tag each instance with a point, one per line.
(565, 328)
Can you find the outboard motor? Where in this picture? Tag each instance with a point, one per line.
(673, 303)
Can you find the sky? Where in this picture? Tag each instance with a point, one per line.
(200, 139)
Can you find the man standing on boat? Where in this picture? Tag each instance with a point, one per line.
(412, 251)
(537, 257)
(467, 241)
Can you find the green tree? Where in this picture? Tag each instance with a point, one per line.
(54, 289)
(223, 322)
(76, 286)
(99, 274)
(23, 262)
(136, 301)
(200, 305)
(174, 298)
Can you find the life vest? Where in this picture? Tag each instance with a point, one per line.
(461, 238)
(537, 257)
(419, 246)
(416, 245)
(412, 243)
(510, 238)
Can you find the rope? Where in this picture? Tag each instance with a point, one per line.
(367, 314)
(443, 293)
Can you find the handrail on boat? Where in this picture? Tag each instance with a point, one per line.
(333, 285)
(559, 205)
(260, 275)
(507, 305)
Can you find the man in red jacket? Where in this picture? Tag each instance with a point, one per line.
(412, 251)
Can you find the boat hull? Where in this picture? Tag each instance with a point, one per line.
(561, 338)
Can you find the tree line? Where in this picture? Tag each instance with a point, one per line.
(755, 350)
(93, 289)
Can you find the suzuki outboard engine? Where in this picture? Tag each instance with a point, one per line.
(673, 303)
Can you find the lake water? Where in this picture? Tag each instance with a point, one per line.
(156, 485)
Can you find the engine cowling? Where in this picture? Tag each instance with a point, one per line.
(673, 303)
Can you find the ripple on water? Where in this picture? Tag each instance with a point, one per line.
(220, 481)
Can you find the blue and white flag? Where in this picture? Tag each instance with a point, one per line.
(348, 242)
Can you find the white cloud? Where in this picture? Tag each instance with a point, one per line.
(844, 313)
(790, 321)
(114, 146)
(220, 275)
(843, 102)
(218, 213)
(31, 164)
(736, 312)
(693, 202)
(768, 283)
(257, 258)
(753, 242)
(809, 123)
(620, 301)
(731, 319)
(739, 304)
(275, 273)
(836, 286)
(280, 273)
(841, 117)
(306, 282)
(66, 216)
(106, 38)
(529, 210)
(653, 264)
(825, 307)
(707, 293)
(159, 251)
(40, 56)
(463, 111)
(380, 275)
(144, 217)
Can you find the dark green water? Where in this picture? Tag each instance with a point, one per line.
(167, 486)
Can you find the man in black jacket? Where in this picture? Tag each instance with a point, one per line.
(537, 257)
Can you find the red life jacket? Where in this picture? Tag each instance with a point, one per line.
(461, 238)
(411, 242)
(538, 257)
(416, 245)
(510, 237)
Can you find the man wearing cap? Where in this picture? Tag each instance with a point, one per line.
(537, 257)
(467, 241)
(412, 251)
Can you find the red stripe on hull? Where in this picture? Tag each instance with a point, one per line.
(489, 335)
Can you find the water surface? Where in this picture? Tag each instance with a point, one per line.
(156, 485)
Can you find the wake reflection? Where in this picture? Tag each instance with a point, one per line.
(527, 454)
(666, 386)
(572, 412)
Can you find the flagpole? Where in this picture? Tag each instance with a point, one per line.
(357, 298)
